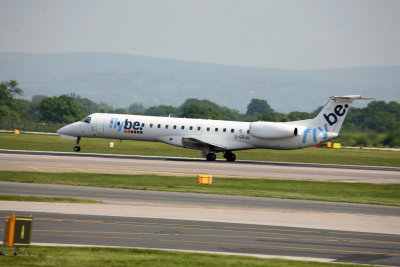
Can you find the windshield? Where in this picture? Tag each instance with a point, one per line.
(87, 119)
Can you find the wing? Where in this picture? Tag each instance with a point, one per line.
(195, 143)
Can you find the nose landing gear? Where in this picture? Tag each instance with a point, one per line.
(77, 148)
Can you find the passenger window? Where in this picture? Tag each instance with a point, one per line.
(208, 129)
(87, 119)
(174, 127)
(198, 128)
(142, 124)
(159, 126)
(191, 128)
(166, 126)
(151, 125)
(216, 129)
(224, 130)
(183, 127)
(232, 130)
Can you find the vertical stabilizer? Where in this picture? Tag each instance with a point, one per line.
(333, 114)
(326, 125)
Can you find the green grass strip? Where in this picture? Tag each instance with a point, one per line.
(308, 155)
(87, 256)
(381, 194)
(46, 199)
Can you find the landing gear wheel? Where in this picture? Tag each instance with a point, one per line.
(230, 156)
(211, 157)
(77, 148)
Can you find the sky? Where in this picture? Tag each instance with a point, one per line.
(296, 35)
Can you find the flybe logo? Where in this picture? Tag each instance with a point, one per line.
(315, 133)
(331, 119)
(339, 111)
(127, 125)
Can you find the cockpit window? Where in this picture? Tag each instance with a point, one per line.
(87, 119)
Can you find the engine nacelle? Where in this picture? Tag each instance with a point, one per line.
(266, 129)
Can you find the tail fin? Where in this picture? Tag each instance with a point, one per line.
(334, 112)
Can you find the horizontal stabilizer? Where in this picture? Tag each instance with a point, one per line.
(350, 98)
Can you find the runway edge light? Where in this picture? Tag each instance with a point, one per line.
(204, 179)
(18, 233)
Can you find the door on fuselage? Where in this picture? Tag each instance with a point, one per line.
(99, 124)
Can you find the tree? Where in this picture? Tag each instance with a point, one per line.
(90, 106)
(161, 110)
(392, 139)
(60, 109)
(258, 106)
(197, 102)
(135, 108)
(36, 99)
(207, 108)
(298, 115)
(381, 117)
(9, 107)
(200, 112)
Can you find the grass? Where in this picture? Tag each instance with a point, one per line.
(309, 155)
(87, 256)
(46, 199)
(380, 194)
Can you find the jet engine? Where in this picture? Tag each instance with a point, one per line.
(265, 129)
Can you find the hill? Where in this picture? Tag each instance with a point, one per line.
(120, 80)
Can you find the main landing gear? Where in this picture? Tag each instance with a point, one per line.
(229, 156)
(77, 148)
(211, 157)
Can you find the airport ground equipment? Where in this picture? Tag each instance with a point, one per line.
(18, 232)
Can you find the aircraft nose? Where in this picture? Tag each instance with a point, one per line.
(70, 129)
(61, 130)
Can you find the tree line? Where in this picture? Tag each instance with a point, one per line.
(378, 116)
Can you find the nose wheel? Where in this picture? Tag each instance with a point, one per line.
(77, 148)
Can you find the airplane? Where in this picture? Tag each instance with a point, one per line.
(213, 136)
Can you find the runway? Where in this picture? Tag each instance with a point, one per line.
(311, 230)
(73, 162)
(196, 200)
(245, 239)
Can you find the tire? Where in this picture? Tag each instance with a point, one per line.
(77, 148)
(230, 157)
(211, 157)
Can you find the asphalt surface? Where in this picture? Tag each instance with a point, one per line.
(112, 195)
(322, 245)
(201, 222)
(75, 162)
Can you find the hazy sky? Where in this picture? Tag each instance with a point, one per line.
(280, 34)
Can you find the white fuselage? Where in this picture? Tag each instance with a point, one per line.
(215, 135)
(227, 135)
